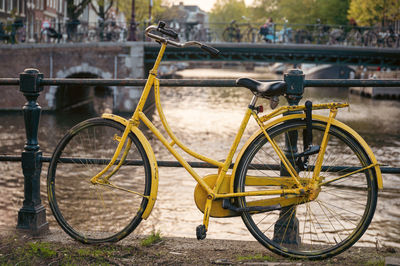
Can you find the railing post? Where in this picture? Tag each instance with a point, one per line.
(287, 227)
(32, 215)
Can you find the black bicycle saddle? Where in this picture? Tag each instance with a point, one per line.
(263, 89)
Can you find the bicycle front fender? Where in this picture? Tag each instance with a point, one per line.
(314, 117)
(152, 160)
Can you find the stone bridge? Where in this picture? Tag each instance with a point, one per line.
(133, 59)
(92, 60)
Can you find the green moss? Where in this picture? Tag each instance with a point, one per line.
(154, 238)
(376, 262)
(83, 252)
(38, 249)
(257, 257)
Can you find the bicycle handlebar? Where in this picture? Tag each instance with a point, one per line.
(171, 33)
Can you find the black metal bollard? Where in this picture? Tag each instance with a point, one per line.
(32, 215)
(286, 229)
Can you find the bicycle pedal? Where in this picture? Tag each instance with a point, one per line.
(201, 232)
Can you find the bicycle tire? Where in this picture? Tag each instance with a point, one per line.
(252, 35)
(370, 39)
(326, 226)
(354, 38)
(227, 34)
(94, 213)
(390, 42)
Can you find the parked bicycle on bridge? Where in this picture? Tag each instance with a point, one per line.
(271, 35)
(232, 32)
(48, 33)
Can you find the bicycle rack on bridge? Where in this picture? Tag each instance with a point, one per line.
(32, 216)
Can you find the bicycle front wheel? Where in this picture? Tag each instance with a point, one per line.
(332, 222)
(95, 213)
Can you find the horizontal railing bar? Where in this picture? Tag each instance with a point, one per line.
(9, 158)
(130, 162)
(141, 82)
(9, 81)
(205, 82)
(351, 83)
(386, 170)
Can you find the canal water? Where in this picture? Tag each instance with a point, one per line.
(206, 119)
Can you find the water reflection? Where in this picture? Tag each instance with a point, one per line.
(206, 119)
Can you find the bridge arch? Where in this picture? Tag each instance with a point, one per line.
(82, 97)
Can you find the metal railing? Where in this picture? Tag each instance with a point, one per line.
(241, 31)
(31, 216)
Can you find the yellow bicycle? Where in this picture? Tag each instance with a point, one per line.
(304, 184)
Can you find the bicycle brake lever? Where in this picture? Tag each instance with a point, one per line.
(169, 32)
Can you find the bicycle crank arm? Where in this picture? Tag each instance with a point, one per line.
(226, 204)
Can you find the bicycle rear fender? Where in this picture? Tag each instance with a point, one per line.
(152, 160)
(314, 117)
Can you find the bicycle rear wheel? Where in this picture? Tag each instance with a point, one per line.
(332, 222)
(95, 213)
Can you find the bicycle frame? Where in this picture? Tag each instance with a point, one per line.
(219, 190)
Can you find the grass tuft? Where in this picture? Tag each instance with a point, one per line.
(154, 238)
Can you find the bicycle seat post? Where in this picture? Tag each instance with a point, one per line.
(286, 230)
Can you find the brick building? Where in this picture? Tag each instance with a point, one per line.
(30, 16)
(11, 10)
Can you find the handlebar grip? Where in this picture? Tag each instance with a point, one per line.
(210, 49)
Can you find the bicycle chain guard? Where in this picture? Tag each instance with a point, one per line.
(200, 197)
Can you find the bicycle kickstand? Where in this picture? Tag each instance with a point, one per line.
(201, 230)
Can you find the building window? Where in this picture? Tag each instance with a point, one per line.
(2, 5)
(39, 4)
(61, 6)
(9, 5)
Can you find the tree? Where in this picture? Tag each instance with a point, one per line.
(102, 7)
(333, 12)
(75, 10)
(372, 12)
(301, 11)
(263, 9)
(225, 11)
(142, 9)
